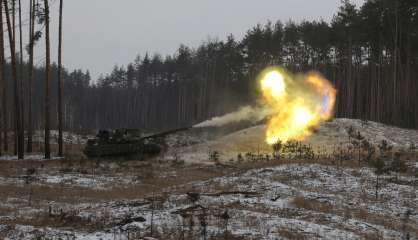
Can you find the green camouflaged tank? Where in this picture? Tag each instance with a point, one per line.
(125, 142)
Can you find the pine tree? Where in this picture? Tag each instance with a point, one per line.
(3, 82)
(60, 124)
(30, 75)
(18, 125)
(21, 137)
(47, 82)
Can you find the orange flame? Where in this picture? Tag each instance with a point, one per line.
(297, 103)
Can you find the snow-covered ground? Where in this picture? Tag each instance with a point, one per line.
(283, 202)
(37, 157)
(68, 137)
(71, 179)
(91, 200)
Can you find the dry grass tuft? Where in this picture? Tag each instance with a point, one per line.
(288, 234)
(313, 205)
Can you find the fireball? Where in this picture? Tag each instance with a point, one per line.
(297, 103)
(273, 85)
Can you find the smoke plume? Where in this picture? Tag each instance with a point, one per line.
(247, 113)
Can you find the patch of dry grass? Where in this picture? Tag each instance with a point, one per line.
(63, 219)
(290, 234)
(311, 204)
(383, 220)
(388, 222)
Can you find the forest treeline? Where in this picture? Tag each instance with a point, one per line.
(18, 80)
(370, 53)
(75, 83)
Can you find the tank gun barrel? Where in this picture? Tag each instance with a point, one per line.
(162, 134)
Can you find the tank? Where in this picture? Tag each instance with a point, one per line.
(126, 143)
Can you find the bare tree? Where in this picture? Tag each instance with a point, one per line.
(15, 135)
(60, 142)
(47, 82)
(21, 128)
(3, 82)
(30, 78)
(18, 119)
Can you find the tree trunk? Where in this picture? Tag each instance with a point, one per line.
(13, 37)
(4, 84)
(31, 47)
(47, 82)
(21, 133)
(14, 75)
(349, 81)
(60, 142)
(395, 66)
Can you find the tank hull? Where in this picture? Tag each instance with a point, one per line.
(125, 149)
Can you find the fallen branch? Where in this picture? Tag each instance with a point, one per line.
(130, 220)
(245, 193)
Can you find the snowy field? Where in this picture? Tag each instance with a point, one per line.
(184, 195)
(303, 201)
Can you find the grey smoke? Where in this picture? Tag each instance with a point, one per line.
(247, 113)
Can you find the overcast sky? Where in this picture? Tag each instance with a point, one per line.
(101, 33)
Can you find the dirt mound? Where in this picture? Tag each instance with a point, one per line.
(329, 136)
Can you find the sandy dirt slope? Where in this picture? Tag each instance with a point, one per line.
(329, 136)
